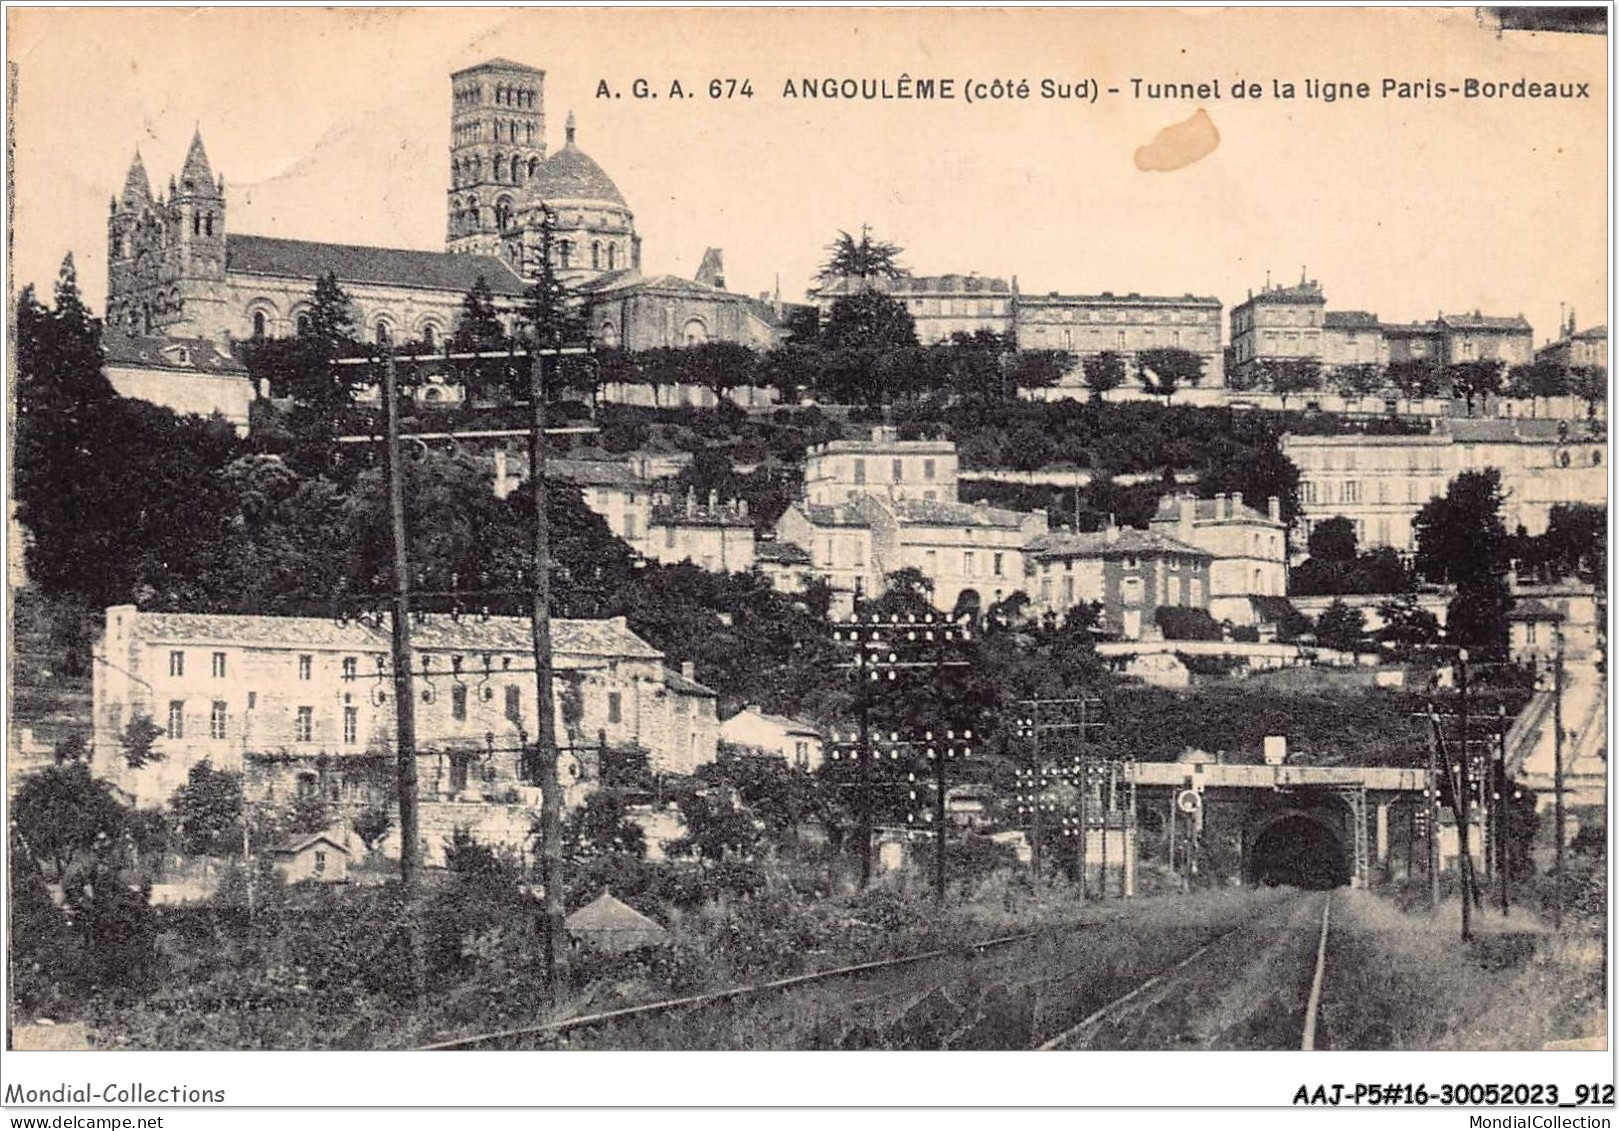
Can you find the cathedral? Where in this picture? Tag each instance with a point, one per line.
(176, 271)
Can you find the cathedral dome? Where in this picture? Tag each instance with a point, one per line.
(571, 175)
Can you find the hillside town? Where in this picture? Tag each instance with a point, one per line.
(588, 605)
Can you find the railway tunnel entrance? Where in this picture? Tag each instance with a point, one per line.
(1304, 845)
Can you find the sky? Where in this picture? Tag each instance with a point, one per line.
(333, 125)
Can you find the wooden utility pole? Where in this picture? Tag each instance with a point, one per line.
(864, 757)
(404, 696)
(1558, 780)
(1432, 802)
(1465, 859)
(1034, 782)
(1499, 791)
(543, 767)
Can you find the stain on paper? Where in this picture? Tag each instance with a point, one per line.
(1177, 146)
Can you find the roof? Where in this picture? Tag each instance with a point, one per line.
(1411, 329)
(1478, 321)
(1273, 610)
(569, 174)
(783, 553)
(679, 682)
(431, 633)
(1301, 293)
(616, 282)
(351, 263)
(615, 922)
(497, 62)
(152, 352)
(1206, 510)
(914, 284)
(1594, 333)
(299, 843)
(1349, 320)
(1534, 610)
(1485, 430)
(1109, 298)
(1128, 540)
(820, 514)
(935, 512)
(788, 725)
(676, 514)
(593, 472)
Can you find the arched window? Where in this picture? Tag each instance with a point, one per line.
(208, 224)
(610, 265)
(258, 323)
(564, 250)
(302, 324)
(534, 167)
(608, 335)
(196, 223)
(503, 213)
(694, 333)
(428, 336)
(596, 256)
(383, 335)
(517, 169)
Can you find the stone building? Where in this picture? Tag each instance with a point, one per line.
(175, 270)
(188, 375)
(1381, 482)
(1353, 338)
(306, 703)
(1130, 573)
(1587, 348)
(1279, 324)
(1248, 549)
(839, 470)
(939, 305)
(716, 536)
(1086, 325)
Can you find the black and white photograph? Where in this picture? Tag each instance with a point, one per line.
(864, 530)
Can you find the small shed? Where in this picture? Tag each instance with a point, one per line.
(317, 857)
(614, 927)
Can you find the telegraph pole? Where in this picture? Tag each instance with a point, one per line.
(1499, 787)
(1465, 859)
(404, 696)
(863, 713)
(1558, 780)
(1034, 773)
(1432, 802)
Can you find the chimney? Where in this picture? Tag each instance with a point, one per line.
(742, 508)
(1274, 508)
(1237, 503)
(1220, 506)
(691, 501)
(714, 500)
(1111, 531)
(689, 670)
(1186, 515)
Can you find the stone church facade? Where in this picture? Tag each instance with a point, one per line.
(175, 270)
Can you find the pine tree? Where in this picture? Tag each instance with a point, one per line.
(552, 318)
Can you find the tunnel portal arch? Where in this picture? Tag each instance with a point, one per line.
(1302, 841)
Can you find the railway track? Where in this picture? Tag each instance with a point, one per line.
(1071, 1035)
(1079, 1032)
(739, 993)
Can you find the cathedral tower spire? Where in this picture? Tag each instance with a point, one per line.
(137, 188)
(196, 177)
(497, 145)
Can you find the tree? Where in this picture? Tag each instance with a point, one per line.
(207, 811)
(1039, 369)
(1257, 471)
(1460, 535)
(1475, 379)
(1290, 375)
(551, 312)
(601, 827)
(718, 367)
(1357, 380)
(1104, 371)
(479, 330)
(1333, 540)
(1341, 627)
(1407, 623)
(70, 820)
(1162, 370)
(371, 825)
(868, 320)
(138, 742)
(1540, 379)
(1576, 541)
(1591, 384)
(1416, 377)
(716, 828)
(863, 259)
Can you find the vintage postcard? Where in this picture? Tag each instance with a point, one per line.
(1077, 530)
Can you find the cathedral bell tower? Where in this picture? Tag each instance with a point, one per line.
(497, 145)
(166, 257)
